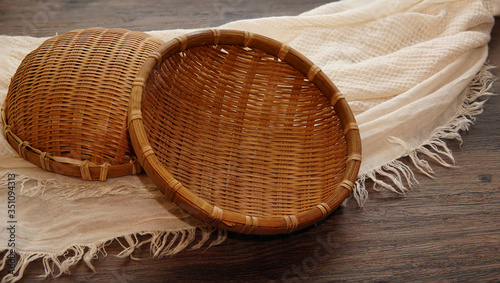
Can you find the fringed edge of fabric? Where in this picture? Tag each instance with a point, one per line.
(52, 189)
(399, 177)
(161, 244)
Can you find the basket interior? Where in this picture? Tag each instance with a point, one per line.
(244, 130)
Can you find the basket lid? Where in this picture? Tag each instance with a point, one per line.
(243, 132)
(66, 107)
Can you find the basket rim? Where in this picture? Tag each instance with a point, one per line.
(84, 169)
(182, 196)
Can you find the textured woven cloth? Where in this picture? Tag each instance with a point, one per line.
(411, 70)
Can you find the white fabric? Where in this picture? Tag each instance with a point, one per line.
(406, 68)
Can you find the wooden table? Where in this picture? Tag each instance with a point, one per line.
(446, 229)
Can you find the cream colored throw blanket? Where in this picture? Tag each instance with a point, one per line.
(411, 71)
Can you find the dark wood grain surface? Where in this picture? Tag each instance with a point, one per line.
(446, 229)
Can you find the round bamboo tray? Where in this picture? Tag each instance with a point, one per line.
(243, 132)
(66, 107)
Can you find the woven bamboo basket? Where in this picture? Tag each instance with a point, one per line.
(243, 132)
(66, 107)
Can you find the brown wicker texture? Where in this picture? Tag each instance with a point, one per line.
(243, 132)
(66, 108)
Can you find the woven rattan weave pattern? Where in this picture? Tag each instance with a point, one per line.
(66, 107)
(243, 132)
